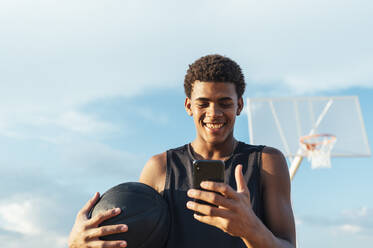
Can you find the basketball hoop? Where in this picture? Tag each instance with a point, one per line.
(317, 148)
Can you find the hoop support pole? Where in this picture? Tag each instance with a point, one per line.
(295, 165)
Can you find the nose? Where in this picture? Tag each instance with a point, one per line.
(214, 111)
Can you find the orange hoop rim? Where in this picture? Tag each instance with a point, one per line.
(310, 146)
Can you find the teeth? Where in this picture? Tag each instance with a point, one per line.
(211, 125)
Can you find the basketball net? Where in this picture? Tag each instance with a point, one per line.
(317, 148)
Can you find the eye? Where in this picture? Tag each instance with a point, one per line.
(226, 104)
(202, 104)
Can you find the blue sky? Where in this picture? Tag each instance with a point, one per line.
(89, 90)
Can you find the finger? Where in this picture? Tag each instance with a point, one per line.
(240, 180)
(87, 207)
(98, 219)
(210, 197)
(105, 230)
(210, 220)
(108, 244)
(222, 188)
(208, 210)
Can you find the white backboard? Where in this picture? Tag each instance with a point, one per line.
(280, 122)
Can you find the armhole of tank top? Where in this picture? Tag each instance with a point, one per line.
(259, 164)
(167, 179)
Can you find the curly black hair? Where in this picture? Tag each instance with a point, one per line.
(214, 68)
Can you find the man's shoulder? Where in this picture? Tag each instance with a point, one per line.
(274, 166)
(157, 160)
(271, 151)
(272, 156)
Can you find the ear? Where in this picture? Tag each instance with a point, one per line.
(239, 105)
(188, 106)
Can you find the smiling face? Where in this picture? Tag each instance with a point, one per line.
(214, 107)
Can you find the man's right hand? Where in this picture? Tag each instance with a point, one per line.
(86, 232)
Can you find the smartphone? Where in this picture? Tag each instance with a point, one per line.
(207, 170)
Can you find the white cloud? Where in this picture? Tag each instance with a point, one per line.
(357, 213)
(150, 115)
(8, 133)
(96, 158)
(353, 221)
(15, 216)
(54, 127)
(82, 123)
(350, 228)
(22, 215)
(48, 239)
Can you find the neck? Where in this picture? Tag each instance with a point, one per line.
(222, 151)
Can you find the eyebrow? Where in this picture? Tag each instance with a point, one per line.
(204, 99)
(225, 99)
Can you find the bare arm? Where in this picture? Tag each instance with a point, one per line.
(154, 172)
(279, 228)
(276, 196)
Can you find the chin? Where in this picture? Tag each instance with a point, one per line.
(215, 141)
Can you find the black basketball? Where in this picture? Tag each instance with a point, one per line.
(143, 210)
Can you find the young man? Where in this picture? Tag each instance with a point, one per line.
(253, 204)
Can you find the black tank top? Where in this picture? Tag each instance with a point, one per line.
(187, 232)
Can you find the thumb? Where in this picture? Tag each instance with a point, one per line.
(240, 180)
